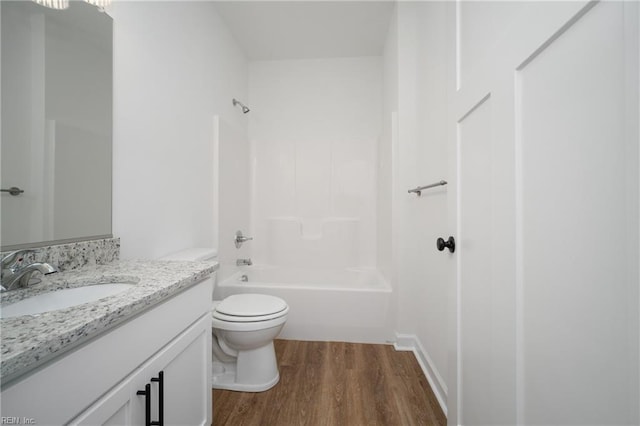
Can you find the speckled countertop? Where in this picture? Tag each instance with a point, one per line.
(30, 340)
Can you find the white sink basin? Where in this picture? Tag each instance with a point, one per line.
(61, 299)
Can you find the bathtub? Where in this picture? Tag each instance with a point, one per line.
(346, 304)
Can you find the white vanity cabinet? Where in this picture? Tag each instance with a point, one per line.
(182, 364)
(99, 382)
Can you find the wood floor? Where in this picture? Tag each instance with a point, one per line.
(330, 383)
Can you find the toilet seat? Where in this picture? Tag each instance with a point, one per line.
(244, 308)
(232, 318)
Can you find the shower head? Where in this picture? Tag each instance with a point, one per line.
(245, 109)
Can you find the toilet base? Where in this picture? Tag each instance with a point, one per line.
(253, 370)
(224, 377)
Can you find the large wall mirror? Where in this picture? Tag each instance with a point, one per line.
(56, 128)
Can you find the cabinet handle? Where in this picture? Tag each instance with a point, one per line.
(160, 380)
(147, 403)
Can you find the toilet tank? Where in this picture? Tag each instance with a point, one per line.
(193, 254)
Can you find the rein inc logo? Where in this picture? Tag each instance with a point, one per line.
(17, 420)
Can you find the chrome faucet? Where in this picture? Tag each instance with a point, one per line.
(244, 262)
(15, 258)
(16, 274)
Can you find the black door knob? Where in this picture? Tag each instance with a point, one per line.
(450, 244)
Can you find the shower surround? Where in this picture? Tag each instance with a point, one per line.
(303, 183)
(314, 150)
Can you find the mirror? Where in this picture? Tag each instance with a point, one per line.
(56, 128)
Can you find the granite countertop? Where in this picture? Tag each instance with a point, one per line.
(30, 340)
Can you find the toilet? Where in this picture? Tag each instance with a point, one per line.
(244, 327)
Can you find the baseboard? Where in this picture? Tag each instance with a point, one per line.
(410, 342)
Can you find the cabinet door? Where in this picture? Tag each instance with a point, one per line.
(113, 409)
(186, 367)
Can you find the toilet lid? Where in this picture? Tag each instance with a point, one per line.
(251, 305)
(235, 319)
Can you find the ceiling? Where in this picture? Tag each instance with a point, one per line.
(275, 30)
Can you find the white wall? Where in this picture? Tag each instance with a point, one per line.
(176, 66)
(314, 129)
(421, 272)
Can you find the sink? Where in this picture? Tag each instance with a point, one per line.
(60, 299)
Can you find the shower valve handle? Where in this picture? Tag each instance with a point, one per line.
(241, 239)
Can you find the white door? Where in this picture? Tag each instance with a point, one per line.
(546, 158)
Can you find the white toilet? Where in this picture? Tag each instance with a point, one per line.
(244, 327)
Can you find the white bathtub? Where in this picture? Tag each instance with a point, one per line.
(349, 305)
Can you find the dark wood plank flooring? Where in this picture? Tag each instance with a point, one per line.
(335, 383)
